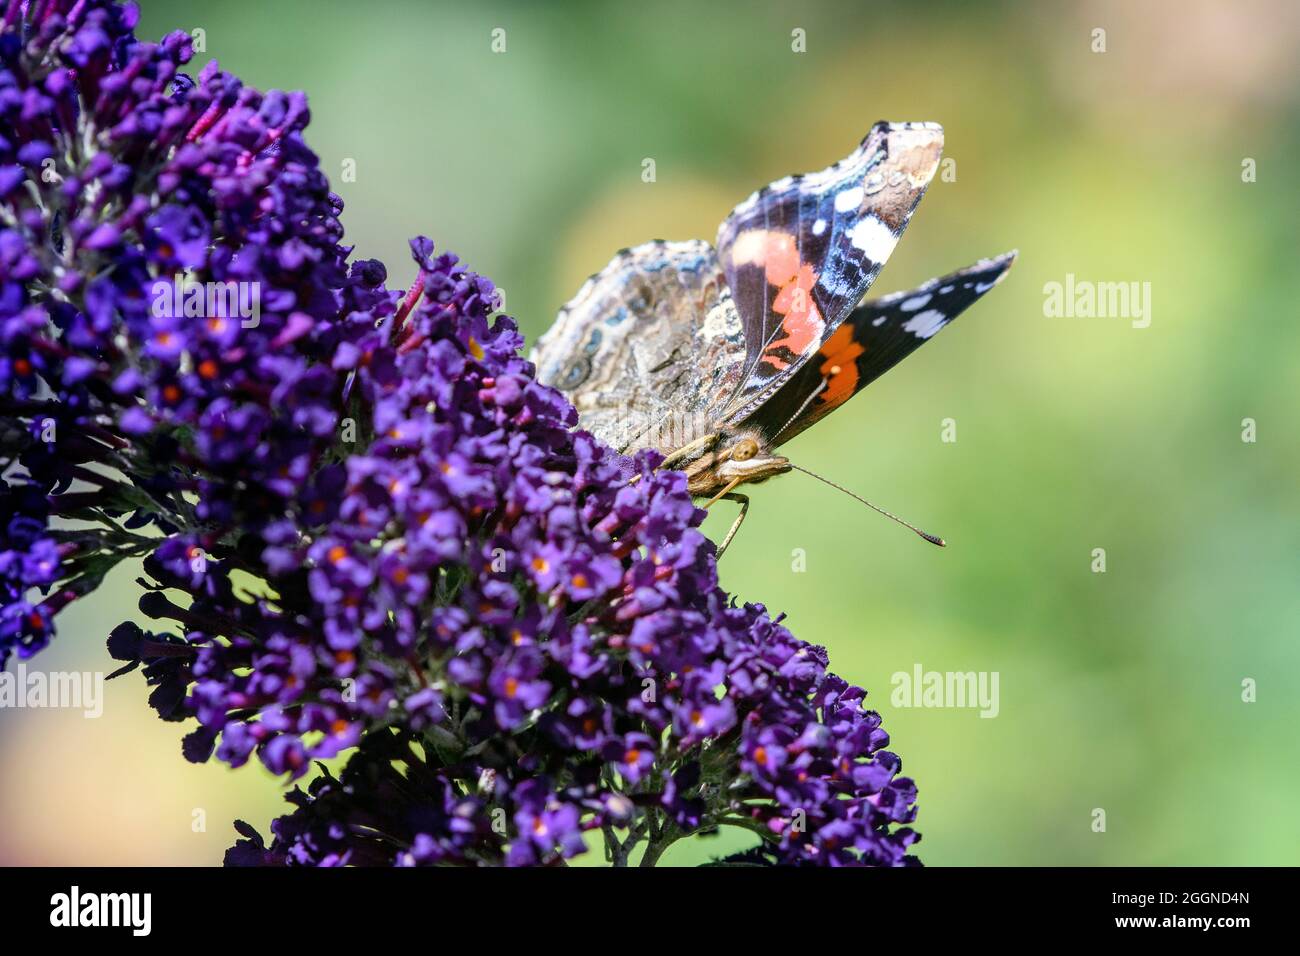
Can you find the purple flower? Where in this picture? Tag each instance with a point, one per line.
(632, 755)
(381, 537)
(545, 826)
(517, 686)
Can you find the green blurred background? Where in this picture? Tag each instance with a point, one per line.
(1120, 691)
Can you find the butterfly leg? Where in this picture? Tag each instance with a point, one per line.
(680, 455)
(735, 525)
(688, 450)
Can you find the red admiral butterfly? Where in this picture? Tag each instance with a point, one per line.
(717, 358)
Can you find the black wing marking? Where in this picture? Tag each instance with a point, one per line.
(877, 336)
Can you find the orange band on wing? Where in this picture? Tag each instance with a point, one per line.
(802, 323)
(839, 367)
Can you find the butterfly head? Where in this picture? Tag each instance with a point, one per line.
(737, 456)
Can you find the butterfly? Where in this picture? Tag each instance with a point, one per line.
(717, 356)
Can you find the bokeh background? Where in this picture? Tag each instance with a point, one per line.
(1119, 690)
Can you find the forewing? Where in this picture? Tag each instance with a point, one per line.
(647, 346)
(877, 336)
(799, 254)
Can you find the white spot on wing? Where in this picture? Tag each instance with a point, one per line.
(750, 247)
(915, 302)
(925, 324)
(849, 199)
(873, 239)
(819, 227)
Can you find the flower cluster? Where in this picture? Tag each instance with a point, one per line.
(367, 526)
(29, 560)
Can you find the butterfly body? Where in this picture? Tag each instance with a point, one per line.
(717, 355)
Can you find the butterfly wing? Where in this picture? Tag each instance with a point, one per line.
(647, 346)
(877, 336)
(799, 254)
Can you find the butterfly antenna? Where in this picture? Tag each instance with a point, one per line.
(932, 538)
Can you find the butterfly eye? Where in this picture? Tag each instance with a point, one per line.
(745, 449)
